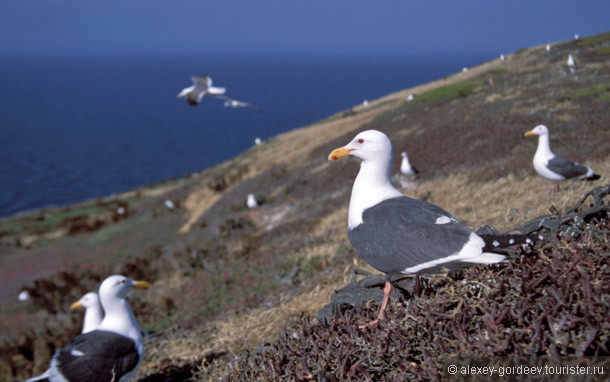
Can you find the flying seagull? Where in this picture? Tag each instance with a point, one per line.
(113, 351)
(202, 86)
(396, 234)
(235, 104)
(553, 167)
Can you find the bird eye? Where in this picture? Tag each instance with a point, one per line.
(123, 281)
(361, 141)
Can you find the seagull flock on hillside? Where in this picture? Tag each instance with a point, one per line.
(392, 232)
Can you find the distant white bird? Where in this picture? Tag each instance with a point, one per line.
(464, 69)
(120, 210)
(553, 167)
(405, 166)
(24, 295)
(235, 104)
(202, 86)
(502, 57)
(548, 47)
(571, 61)
(251, 202)
(365, 103)
(410, 97)
(169, 204)
(576, 37)
(572, 64)
(257, 141)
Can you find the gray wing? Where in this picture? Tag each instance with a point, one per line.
(566, 167)
(400, 233)
(203, 81)
(97, 356)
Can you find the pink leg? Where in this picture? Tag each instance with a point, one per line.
(386, 298)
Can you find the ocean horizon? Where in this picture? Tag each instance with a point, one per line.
(74, 128)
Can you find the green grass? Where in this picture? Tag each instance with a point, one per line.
(592, 41)
(496, 72)
(603, 50)
(443, 93)
(599, 93)
(44, 222)
(460, 89)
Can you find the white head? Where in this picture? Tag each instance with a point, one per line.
(370, 145)
(117, 287)
(373, 183)
(89, 300)
(540, 130)
(404, 155)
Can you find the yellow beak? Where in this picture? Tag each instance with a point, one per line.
(529, 133)
(339, 153)
(141, 285)
(76, 305)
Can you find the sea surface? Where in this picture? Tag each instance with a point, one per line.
(74, 128)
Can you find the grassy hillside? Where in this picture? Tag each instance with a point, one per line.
(226, 278)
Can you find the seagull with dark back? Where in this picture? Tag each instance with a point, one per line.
(399, 235)
(113, 351)
(554, 167)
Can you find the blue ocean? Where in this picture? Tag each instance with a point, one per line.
(74, 128)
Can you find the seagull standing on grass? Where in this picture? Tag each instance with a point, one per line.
(251, 201)
(405, 166)
(113, 351)
(553, 167)
(93, 318)
(202, 86)
(572, 63)
(396, 234)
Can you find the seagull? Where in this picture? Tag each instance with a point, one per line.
(553, 167)
(365, 103)
(93, 311)
(93, 318)
(572, 63)
(169, 204)
(234, 104)
(548, 47)
(202, 86)
(113, 351)
(396, 234)
(24, 295)
(257, 141)
(410, 97)
(576, 37)
(405, 167)
(464, 69)
(251, 202)
(502, 57)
